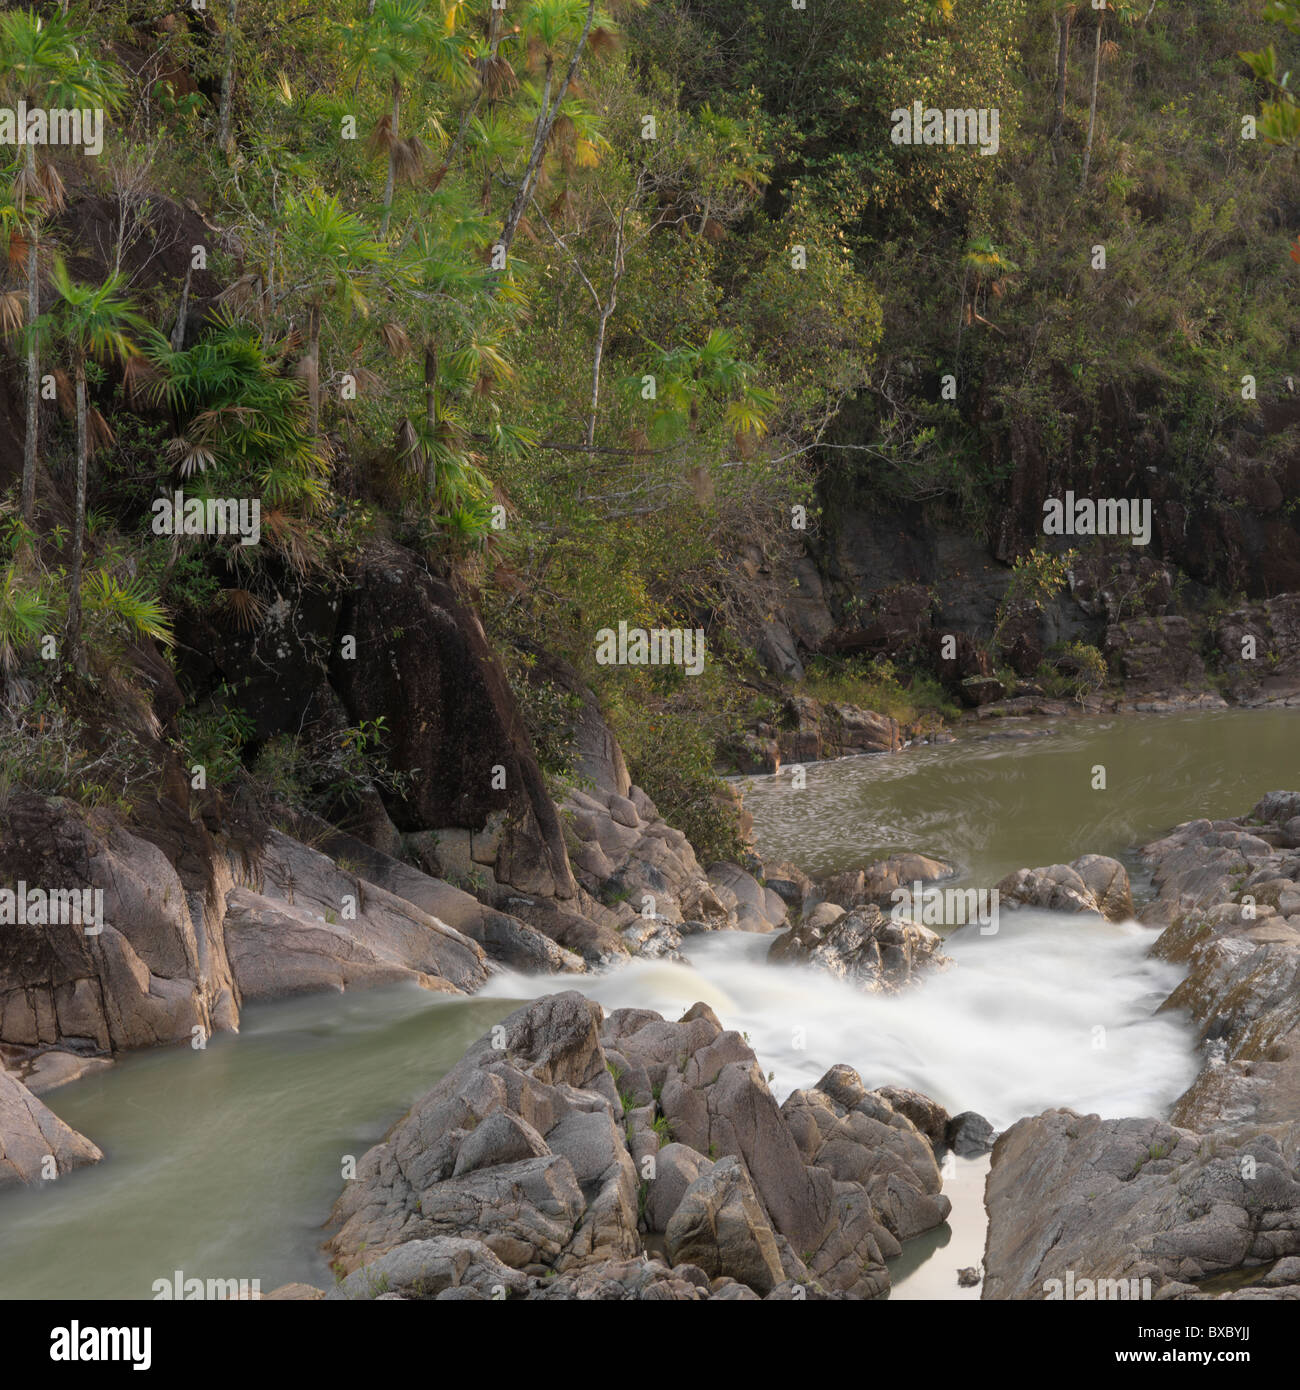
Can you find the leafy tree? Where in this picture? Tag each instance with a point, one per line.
(394, 43)
(551, 29)
(1279, 121)
(335, 256)
(239, 418)
(95, 324)
(46, 62)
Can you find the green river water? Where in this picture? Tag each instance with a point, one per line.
(224, 1163)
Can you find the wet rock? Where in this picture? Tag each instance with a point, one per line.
(53, 1069)
(1108, 882)
(878, 882)
(864, 947)
(968, 1135)
(788, 882)
(31, 1135)
(1092, 883)
(848, 729)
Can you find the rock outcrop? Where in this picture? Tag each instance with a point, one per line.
(1140, 1208)
(1229, 896)
(1092, 883)
(35, 1145)
(1073, 1198)
(156, 971)
(561, 1142)
(865, 947)
(878, 882)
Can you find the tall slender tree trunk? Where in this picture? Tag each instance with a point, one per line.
(430, 419)
(392, 158)
(313, 370)
(597, 355)
(1092, 117)
(494, 42)
(183, 312)
(1062, 73)
(33, 358)
(79, 519)
(542, 131)
(33, 384)
(605, 312)
(228, 74)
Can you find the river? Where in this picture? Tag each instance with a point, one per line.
(223, 1163)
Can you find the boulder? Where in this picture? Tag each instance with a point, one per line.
(540, 1065)
(555, 1133)
(720, 1227)
(968, 1135)
(425, 666)
(756, 907)
(927, 1115)
(31, 1134)
(857, 1137)
(159, 967)
(1092, 883)
(878, 882)
(676, 1168)
(311, 925)
(864, 947)
(504, 938)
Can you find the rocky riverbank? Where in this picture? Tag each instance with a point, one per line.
(1214, 1191)
(574, 1154)
(569, 1155)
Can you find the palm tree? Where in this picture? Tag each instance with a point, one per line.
(227, 76)
(45, 62)
(1064, 23)
(1121, 9)
(551, 25)
(394, 42)
(237, 416)
(687, 378)
(496, 78)
(337, 254)
(989, 268)
(95, 323)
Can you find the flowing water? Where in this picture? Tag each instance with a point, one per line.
(224, 1163)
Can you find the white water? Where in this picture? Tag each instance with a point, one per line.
(225, 1162)
(1053, 1010)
